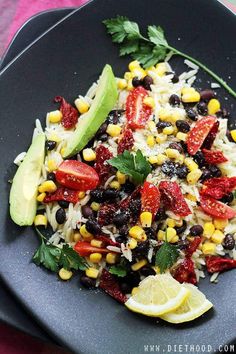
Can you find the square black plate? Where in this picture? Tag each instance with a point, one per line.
(65, 62)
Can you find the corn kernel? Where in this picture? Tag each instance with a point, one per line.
(190, 164)
(121, 177)
(175, 116)
(95, 206)
(134, 65)
(233, 134)
(209, 248)
(208, 229)
(165, 114)
(149, 101)
(220, 223)
(41, 197)
(138, 233)
(193, 177)
(95, 257)
(217, 237)
(111, 258)
(146, 219)
(62, 151)
(181, 136)
(65, 274)
(40, 220)
(84, 232)
(132, 244)
(92, 272)
(81, 195)
(213, 106)
(113, 130)
(153, 160)
(130, 85)
(170, 233)
(115, 185)
(139, 73)
(161, 158)
(150, 141)
(52, 166)
(54, 137)
(190, 95)
(121, 84)
(96, 243)
(76, 236)
(47, 186)
(172, 153)
(89, 155)
(161, 69)
(187, 90)
(180, 159)
(161, 235)
(139, 265)
(174, 239)
(55, 116)
(170, 222)
(168, 130)
(191, 197)
(134, 291)
(128, 76)
(81, 105)
(152, 126)
(161, 138)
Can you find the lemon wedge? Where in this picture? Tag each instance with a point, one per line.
(157, 295)
(195, 305)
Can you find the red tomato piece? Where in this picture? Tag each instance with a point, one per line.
(198, 133)
(101, 166)
(185, 272)
(150, 198)
(173, 198)
(214, 157)
(219, 264)
(77, 175)
(107, 241)
(126, 142)
(111, 286)
(69, 113)
(192, 247)
(216, 209)
(84, 249)
(61, 193)
(208, 142)
(218, 187)
(137, 112)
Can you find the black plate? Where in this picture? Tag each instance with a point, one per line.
(65, 61)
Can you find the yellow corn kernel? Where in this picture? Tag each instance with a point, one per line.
(111, 258)
(138, 233)
(180, 159)
(134, 291)
(208, 229)
(47, 186)
(161, 158)
(81, 195)
(149, 101)
(139, 73)
(92, 272)
(146, 219)
(150, 141)
(76, 237)
(152, 126)
(40, 220)
(115, 185)
(84, 232)
(113, 130)
(41, 197)
(96, 243)
(190, 95)
(174, 239)
(175, 116)
(161, 69)
(209, 248)
(89, 155)
(52, 166)
(178, 223)
(134, 65)
(233, 134)
(168, 130)
(217, 237)
(95, 206)
(65, 274)
(161, 138)
(121, 84)
(139, 265)
(191, 197)
(55, 116)
(192, 165)
(128, 76)
(82, 105)
(54, 137)
(121, 177)
(132, 243)
(62, 151)
(153, 160)
(170, 233)
(213, 106)
(172, 153)
(220, 223)
(187, 90)
(193, 177)
(170, 222)
(130, 85)
(165, 114)
(95, 257)
(181, 136)
(161, 235)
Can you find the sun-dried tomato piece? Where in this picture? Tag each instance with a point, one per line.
(216, 209)
(125, 203)
(219, 264)
(192, 247)
(111, 286)
(101, 166)
(65, 194)
(150, 198)
(126, 142)
(106, 214)
(69, 113)
(214, 157)
(173, 198)
(218, 187)
(185, 272)
(208, 142)
(107, 241)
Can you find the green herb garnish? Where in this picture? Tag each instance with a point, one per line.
(166, 256)
(118, 270)
(134, 165)
(151, 50)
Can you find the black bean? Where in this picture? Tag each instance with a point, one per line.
(196, 230)
(229, 242)
(174, 100)
(114, 116)
(228, 198)
(63, 204)
(87, 212)
(147, 82)
(87, 282)
(206, 95)
(97, 195)
(181, 229)
(215, 171)
(184, 146)
(191, 114)
(50, 144)
(175, 79)
(124, 230)
(176, 146)
(132, 278)
(160, 215)
(206, 174)
(128, 187)
(121, 239)
(125, 288)
(142, 248)
(135, 207)
(168, 168)
(183, 244)
(182, 171)
(102, 129)
(110, 194)
(161, 124)
(60, 216)
(93, 227)
(136, 82)
(202, 108)
(182, 126)
(51, 177)
(120, 219)
(150, 232)
(146, 271)
(199, 159)
(103, 137)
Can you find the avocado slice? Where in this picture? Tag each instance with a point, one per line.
(23, 194)
(90, 122)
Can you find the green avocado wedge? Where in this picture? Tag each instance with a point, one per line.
(90, 122)
(23, 194)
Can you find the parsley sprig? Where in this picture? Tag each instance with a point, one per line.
(149, 50)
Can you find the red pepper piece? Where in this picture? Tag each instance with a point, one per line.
(208, 142)
(61, 193)
(84, 249)
(69, 113)
(216, 209)
(192, 247)
(106, 214)
(214, 157)
(109, 284)
(150, 198)
(126, 142)
(101, 166)
(219, 264)
(218, 187)
(137, 112)
(185, 272)
(107, 241)
(173, 198)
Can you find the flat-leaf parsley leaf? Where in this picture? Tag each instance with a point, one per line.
(166, 256)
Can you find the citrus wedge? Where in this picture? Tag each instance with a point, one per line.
(157, 295)
(194, 306)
